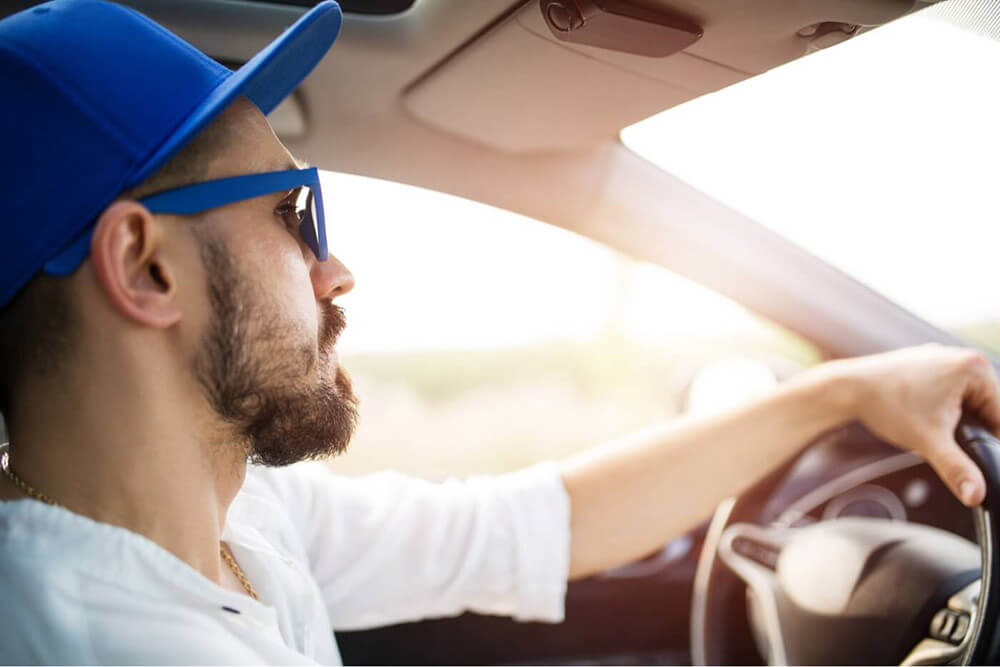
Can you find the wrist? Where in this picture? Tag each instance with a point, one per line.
(838, 390)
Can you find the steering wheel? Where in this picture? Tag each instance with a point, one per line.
(854, 590)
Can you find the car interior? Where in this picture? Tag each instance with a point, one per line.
(851, 553)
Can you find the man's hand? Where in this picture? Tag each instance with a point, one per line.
(914, 398)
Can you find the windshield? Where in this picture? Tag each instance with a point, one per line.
(470, 319)
(879, 155)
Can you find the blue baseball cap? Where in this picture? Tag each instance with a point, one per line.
(96, 98)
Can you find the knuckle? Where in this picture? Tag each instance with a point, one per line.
(955, 469)
(973, 362)
(948, 468)
(978, 359)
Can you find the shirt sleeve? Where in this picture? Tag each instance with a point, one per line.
(388, 548)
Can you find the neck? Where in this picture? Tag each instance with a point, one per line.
(133, 453)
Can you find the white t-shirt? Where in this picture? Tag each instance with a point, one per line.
(323, 553)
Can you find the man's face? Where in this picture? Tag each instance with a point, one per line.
(266, 358)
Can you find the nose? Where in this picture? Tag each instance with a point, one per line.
(331, 278)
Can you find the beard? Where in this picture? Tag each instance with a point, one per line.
(256, 372)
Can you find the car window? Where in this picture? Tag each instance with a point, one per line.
(879, 155)
(481, 341)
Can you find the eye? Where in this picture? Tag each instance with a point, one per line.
(290, 211)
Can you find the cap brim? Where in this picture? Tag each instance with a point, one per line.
(266, 79)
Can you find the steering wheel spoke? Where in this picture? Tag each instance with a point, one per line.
(752, 553)
(951, 630)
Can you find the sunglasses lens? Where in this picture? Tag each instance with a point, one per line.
(306, 205)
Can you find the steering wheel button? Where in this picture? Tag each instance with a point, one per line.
(936, 624)
(961, 628)
(942, 625)
(949, 625)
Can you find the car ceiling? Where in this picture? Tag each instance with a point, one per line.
(489, 73)
(455, 95)
(477, 99)
(458, 95)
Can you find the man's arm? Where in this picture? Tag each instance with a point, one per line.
(629, 497)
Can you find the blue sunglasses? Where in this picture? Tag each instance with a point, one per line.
(200, 197)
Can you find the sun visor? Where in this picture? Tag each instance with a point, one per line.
(519, 89)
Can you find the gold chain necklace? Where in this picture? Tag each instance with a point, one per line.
(38, 495)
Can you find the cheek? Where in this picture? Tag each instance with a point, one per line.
(275, 260)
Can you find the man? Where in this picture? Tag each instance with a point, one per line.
(168, 314)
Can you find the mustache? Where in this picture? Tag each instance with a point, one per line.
(333, 321)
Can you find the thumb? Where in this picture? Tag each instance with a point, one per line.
(962, 477)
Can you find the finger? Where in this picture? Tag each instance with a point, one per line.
(982, 393)
(962, 477)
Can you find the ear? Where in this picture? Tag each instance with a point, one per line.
(129, 260)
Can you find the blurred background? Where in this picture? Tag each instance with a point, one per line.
(481, 341)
